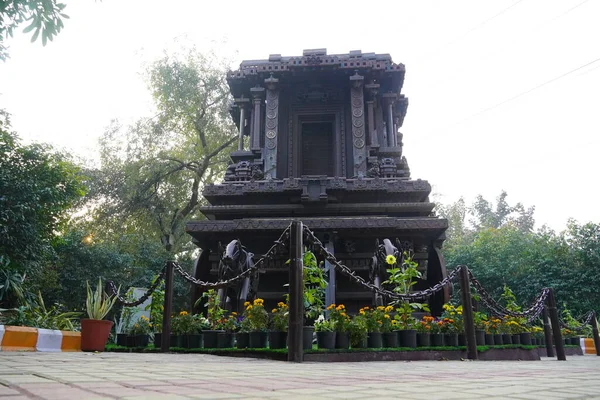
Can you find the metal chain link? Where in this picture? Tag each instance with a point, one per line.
(115, 292)
(423, 294)
(587, 319)
(281, 242)
(499, 311)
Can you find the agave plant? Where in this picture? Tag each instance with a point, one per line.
(98, 303)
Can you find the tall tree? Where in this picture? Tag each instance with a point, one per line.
(45, 17)
(153, 171)
(37, 187)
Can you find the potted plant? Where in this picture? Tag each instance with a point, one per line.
(358, 331)
(279, 324)
(495, 329)
(341, 321)
(374, 320)
(424, 330)
(226, 327)
(325, 333)
(140, 331)
(479, 320)
(95, 329)
(214, 314)
(258, 318)
(389, 329)
(437, 336)
(314, 295)
(242, 337)
(405, 323)
(156, 308)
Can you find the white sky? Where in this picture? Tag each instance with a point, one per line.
(464, 60)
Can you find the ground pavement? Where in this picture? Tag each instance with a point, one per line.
(184, 376)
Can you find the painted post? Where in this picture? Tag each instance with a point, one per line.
(547, 333)
(166, 326)
(296, 306)
(465, 289)
(595, 333)
(558, 340)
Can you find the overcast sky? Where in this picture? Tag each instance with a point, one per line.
(503, 94)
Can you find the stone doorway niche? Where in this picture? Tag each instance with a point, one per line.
(316, 151)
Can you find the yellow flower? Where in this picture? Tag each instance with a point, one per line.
(182, 313)
(389, 309)
(281, 304)
(381, 308)
(362, 312)
(274, 310)
(386, 316)
(234, 313)
(246, 304)
(391, 260)
(249, 307)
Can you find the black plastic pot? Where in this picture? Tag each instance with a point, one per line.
(389, 339)
(241, 340)
(277, 340)
(451, 339)
(480, 337)
(516, 338)
(326, 340)
(407, 338)
(210, 339)
(423, 339)
(489, 339)
(141, 340)
(121, 339)
(462, 339)
(194, 341)
(374, 340)
(225, 340)
(498, 339)
(307, 337)
(506, 338)
(258, 339)
(526, 338)
(342, 340)
(157, 339)
(437, 339)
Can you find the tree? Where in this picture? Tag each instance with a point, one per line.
(44, 16)
(153, 171)
(37, 187)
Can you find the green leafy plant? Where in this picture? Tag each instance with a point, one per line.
(142, 326)
(339, 318)
(36, 314)
(257, 316)
(314, 286)
(156, 307)
(279, 317)
(214, 312)
(98, 303)
(324, 325)
(357, 328)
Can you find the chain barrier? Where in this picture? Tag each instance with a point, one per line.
(420, 295)
(281, 242)
(587, 319)
(499, 311)
(115, 292)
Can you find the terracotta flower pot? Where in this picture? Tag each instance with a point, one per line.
(94, 334)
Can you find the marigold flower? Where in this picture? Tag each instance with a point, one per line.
(249, 307)
(389, 309)
(386, 316)
(246, 304)
(281, 304)
(182, 313)
(274, 310)
(381, 308)
(390, 259)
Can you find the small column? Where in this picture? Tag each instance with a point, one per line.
(330, 290)
(272, 127)
(242, 103)
(358, 124)
(257, 96)
(391, 135)
(372, 89)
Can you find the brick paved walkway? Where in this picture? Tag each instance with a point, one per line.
(184, 376)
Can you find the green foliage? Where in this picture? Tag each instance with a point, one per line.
(153, 171)
(44, 16)
(98, 303)
(36, 314)
(314, 287)
(37, 187)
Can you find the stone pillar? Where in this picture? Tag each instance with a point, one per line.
(391, 135)
(257, 96)
(358, 124)
(271, 127)
(372, 90)
(242, 103)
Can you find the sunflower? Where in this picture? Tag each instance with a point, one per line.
(391, 260)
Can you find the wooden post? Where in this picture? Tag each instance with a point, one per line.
(168, 304)
(547, 333)
(465, 289)
(595, 333)
(558, 340)
(296, 306)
